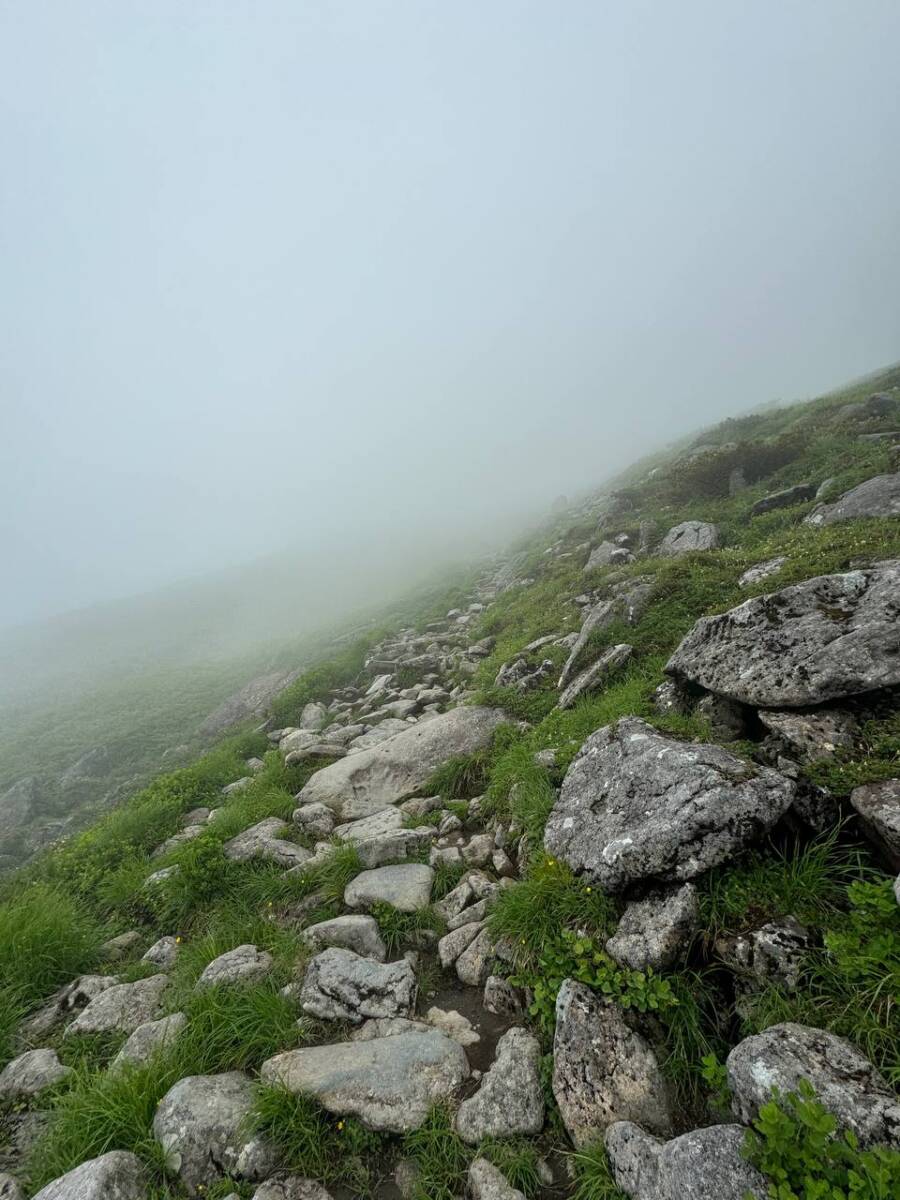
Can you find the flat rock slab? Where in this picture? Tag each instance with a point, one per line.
(118, 1175)
(879, 806)
(406, 887)
(877, 497)
(510, 1101)
(696, 1166)
(120, 1009)
(370, 780)
(342, 986)
(845, 1082)
(823, 639)
(354, 932)
(637, 805)
(388, 1083)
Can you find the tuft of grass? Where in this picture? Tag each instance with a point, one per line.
(593, 1175)
(441, 1157)
(517, 1158)
(461, 777)
(236, 1028)
(398, 928)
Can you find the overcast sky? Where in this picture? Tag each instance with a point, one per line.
(276, 270)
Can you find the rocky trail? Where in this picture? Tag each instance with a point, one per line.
(397, 877)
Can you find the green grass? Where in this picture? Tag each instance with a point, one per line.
(517, 1158)
(399, 929)
(236, 1028)
(440, 1156)
(593, 1175)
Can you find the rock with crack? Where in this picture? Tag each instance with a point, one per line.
(342, 986)
(690, 536)
(845, 1082)
(372, 779)
(698, 1165)
(655, 931)
(510, 1101)
(603, 1070)
(30, 1074)
(149, 1039)
(202, 1125)
(452, 944)
(626, 603)
(486, 1182)
(389, 1083)
(352, 932)
(474, 964)
(406, 887)
(120, 1009)
(823, 639)
(264, 840)
(638, 805)
(877, 497)
(878, 804)
(595, 676)
(243, 964)
(118, 1175)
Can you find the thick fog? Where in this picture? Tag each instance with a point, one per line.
(341, 278)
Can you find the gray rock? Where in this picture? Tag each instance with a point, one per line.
(637, 805)
(699, 1165)
(877, 497)
(761, 571)
(314, 716)
(595, 676)
(475, 913)
(486, 1182)
(314, 819)
(74, 997)
(264, 840)
(626, 604)
(342, 986)
(474, 964)
(454, 1024)
(370, 780)
(239, 785)
(120, 1009)
(653, 932)
(509, 1101)
(406, 887)
(382, 732)
(799, 494)
(384, 1027)
(829, 637)
(603, 1071)
(389, 1083)
(188, 834)
(163, 953)
(774, 953)
(455, 901)
(452, 944)
(354, 932)
(878, 804)
(243, 964)
(728, 720)
(249, 701)
(117, 1175)
(502, 998)
(120, 947)
(478, 850)
(845, 1082)
(291, 1187)
(149, 1038)
(394, 846)
(388, 820)
(9, 1189)
(30, 1074)
(690, 536)
(810, 736)
(600, 556)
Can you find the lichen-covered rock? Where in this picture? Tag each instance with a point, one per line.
(30, 1074)
(690, 536)
(148, 1039)
(501, 997)
(352, 932)
(603, 1070)
(486, 1182)
(406, 887)
(774, 953)
(638, 805)
(315, 819)
(117, 1175)
(510, 1101)
(9, 1189)
(370, 780)
(844, 1080)
(700, 1165)
(594, 677)
(342, 986)
(654, 931)
(202, 1125)
(120, 1009)
(879, 806)
(389, 1083)
(823, 639)
(877, 497)
(474, 964)
(810, 736)
(243, 964)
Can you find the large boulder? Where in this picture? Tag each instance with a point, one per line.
(369, 780)
(202, 1125)
(510, 1101)
(877, 497)
(603, 1070)
(690, 536)
(342, 986)
(828, 637)
(118, 1175)
(699, 1165)
(121, 1008)
(844, 1080)
(638, 805)
(389, 1083)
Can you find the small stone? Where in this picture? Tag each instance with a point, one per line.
(163, 953)
(452, 944)
(486, 1182)
(474, 964)
(690, 536)
(120, 1009)
(355, 932)
(454, 1024)
(315, 819)
(244, 964)
(655, 930)
(502, 998)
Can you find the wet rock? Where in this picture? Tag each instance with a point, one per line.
(342, 986)
(696, 1166)
(690, 536)
(120, 1009)
(603, 1071)
(637, 805)
(509, 1101)
(486, 1182)
(354, 932)
(202, 1125)
(389, 1083)
(370, 780)
(845, 1082)
(878, 804)
(799, 494)
(243, 964)
(117, 1175)
(829, 637)
(406, 887)
(30, 1074)
(877, 497)
(595, 676)
(655, 932)
(149, 1038)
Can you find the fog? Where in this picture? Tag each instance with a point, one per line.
(373, 282)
